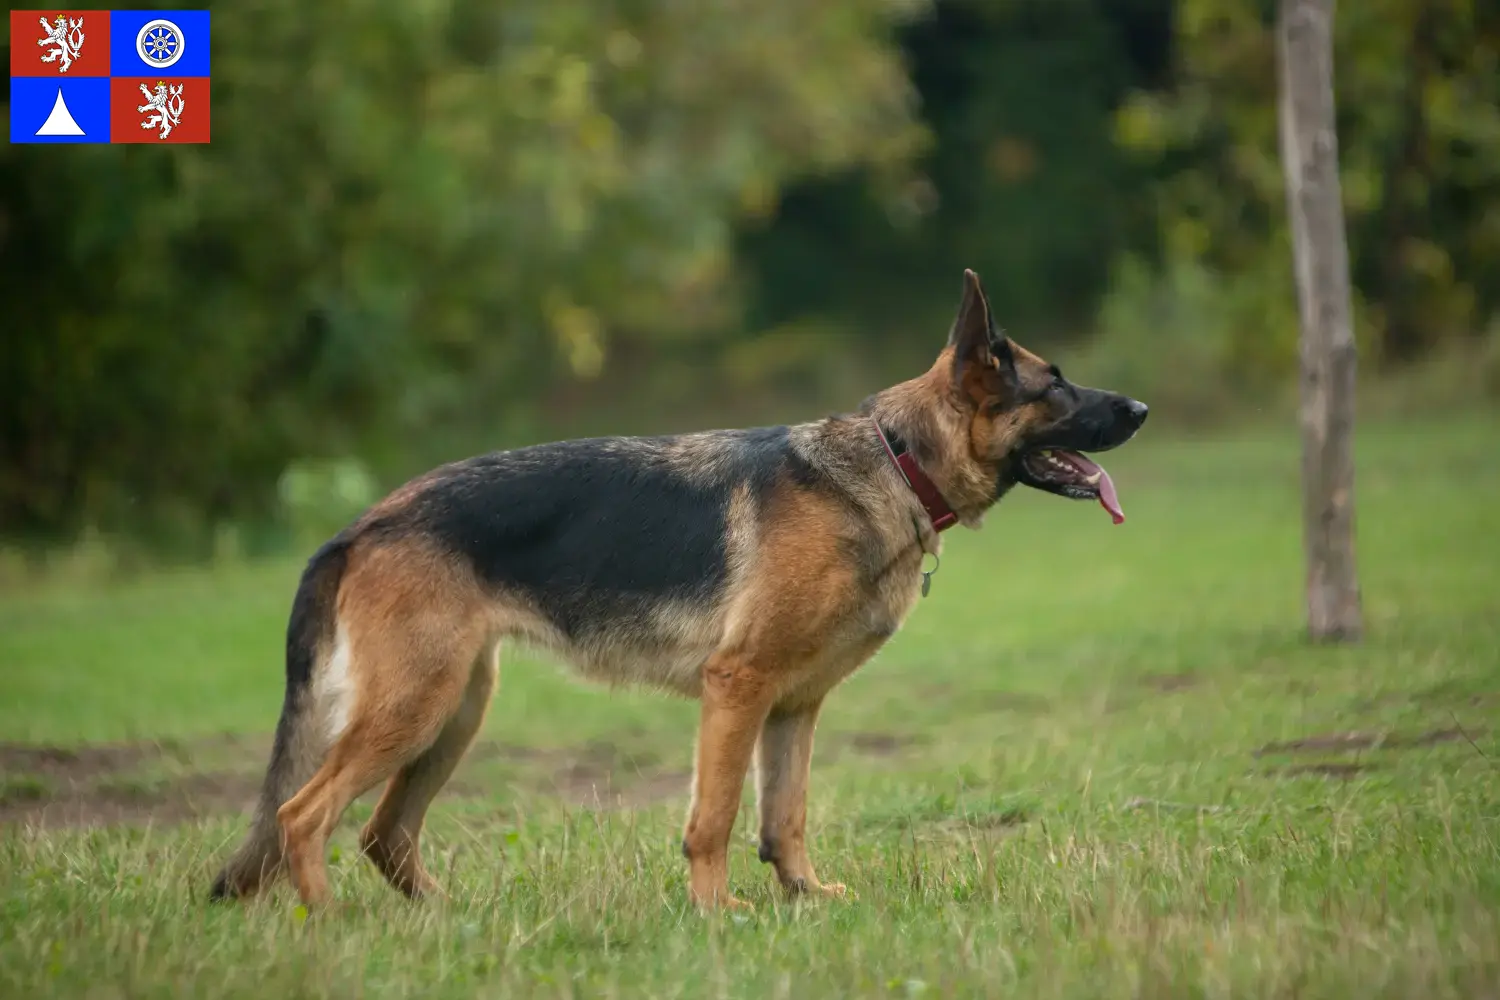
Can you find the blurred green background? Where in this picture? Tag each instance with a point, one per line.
(429, 228)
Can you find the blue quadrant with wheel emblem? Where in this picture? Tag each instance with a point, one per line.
(164, 42)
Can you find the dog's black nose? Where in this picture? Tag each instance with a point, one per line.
(1133, 410)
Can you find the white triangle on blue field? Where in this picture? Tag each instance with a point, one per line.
(60, 121)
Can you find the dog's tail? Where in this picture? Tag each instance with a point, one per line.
(300, 745)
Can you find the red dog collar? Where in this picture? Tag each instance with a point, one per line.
(938, 511)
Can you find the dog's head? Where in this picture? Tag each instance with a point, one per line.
(1026, 423)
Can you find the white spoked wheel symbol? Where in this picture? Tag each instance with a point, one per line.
(160, 43)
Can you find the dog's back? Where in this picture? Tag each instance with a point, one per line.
(595, 534)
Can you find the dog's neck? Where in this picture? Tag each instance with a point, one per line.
(934, 424)
(939, 514)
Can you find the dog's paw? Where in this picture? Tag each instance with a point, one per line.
(803, 888)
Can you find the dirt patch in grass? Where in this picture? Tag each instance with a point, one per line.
(873, 745)
(104, 783)
(600, 789)
(1449, 696)
(23, 788)
(88, 785)
(150, 782)
(1023, 702)
(1167, 683)
(176, 801)
(1453, 694)
(877, 744)
(599, 774)
(68, 765)
(1336, 742)
(1323, 769)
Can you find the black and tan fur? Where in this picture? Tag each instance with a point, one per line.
(752, 570)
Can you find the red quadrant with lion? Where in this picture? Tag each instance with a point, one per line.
(159, 109)
(63, 43)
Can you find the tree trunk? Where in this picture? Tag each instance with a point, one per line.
(1309, 154)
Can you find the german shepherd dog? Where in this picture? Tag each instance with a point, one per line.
(752, 570)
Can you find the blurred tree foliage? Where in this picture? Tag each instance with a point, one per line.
(1418, 91)
(406, 208)
(429, 215)
(1023, 182)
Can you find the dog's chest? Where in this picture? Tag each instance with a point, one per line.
(893, 592)
(871, 623)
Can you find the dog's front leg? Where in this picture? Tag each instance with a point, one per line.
(736, 698)
(783, 761)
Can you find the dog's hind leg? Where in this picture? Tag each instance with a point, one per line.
(782, 762)
(403, 722)
(415, 629)
(390, 838)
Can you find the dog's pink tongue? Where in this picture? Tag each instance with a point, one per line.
(1108, 499)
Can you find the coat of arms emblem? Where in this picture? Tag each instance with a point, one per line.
(66, 39)
(167, 102)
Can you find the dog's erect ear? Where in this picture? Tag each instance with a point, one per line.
(976, 341)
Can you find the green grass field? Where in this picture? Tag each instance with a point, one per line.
(1098, 761)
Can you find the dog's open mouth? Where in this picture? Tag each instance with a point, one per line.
(1070, 474)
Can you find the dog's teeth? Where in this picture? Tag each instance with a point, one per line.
(1091, 480)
